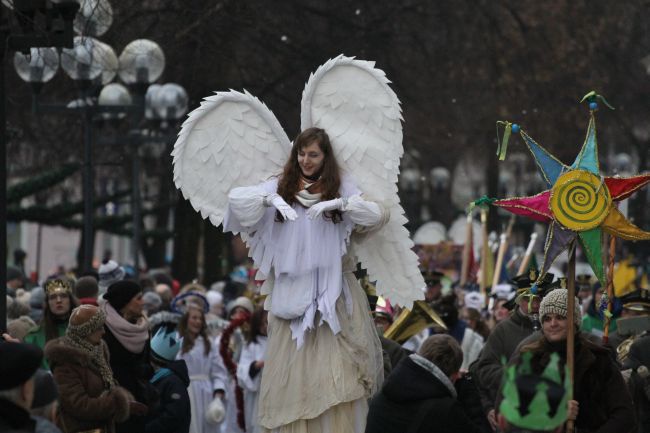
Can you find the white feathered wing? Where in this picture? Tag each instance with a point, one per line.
(351, 100)
(231, 140)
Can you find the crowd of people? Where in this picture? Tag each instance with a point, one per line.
(314, 349)
(111, 353)
(116, 354)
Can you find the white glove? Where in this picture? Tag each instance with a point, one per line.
(317, 210)
(215, 412)
(278, 202)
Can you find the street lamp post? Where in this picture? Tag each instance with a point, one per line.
(48, 24)
(91, 63)
(160, 104)
(141, 63)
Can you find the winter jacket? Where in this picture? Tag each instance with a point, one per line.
(84, 401)
(172, 413)
(132, 371)
(501, 343)
(605, 404)
(14, 418)
(414, 400)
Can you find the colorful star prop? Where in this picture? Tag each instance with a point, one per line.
(580, 202)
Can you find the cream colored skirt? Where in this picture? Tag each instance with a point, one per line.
(323, 386)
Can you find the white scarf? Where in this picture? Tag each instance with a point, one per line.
(132, 336)
(306, 198)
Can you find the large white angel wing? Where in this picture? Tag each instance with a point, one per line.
(351, 100)
(231, 140)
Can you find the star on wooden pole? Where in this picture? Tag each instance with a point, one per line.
(580, 203)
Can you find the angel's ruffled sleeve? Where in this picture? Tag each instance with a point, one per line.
(246, 206)
(369, 215)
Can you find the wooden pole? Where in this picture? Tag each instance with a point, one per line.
(503, 246)
(570, 340)
(529, 252)
(610, 287)
(467, 251)
(485, 252)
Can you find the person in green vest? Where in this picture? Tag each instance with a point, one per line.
(59, 303)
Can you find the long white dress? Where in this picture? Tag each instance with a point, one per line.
(207, 374)
(324, 357)
(252, 352)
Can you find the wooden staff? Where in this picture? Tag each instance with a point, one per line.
(467, 251)
(503, 246)
(529, 252)
(570, 338)
(486, 251)
(610, 287)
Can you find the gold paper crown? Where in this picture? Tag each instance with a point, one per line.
(58, 286)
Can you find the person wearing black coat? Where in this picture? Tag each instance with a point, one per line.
(420, 395)
(127, 338)
(18, 363)
(172, 414)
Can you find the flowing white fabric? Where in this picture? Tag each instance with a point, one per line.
(348, 417)
(323, 380)
(254, 351)
(316, 377)
(207, 374)
(308, 279)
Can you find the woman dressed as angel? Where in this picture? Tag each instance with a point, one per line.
(309, 211)
(324, 356)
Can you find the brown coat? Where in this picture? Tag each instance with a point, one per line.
(85, 403)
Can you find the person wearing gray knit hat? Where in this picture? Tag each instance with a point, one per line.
(601, 400)
(555, 302)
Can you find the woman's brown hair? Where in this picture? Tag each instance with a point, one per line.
(49, 320)
(188, 339)
(330, 178)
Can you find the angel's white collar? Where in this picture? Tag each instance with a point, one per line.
(308, 199)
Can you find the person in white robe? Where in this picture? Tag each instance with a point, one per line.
(207, 373)
(324, 358)
(250, 367)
